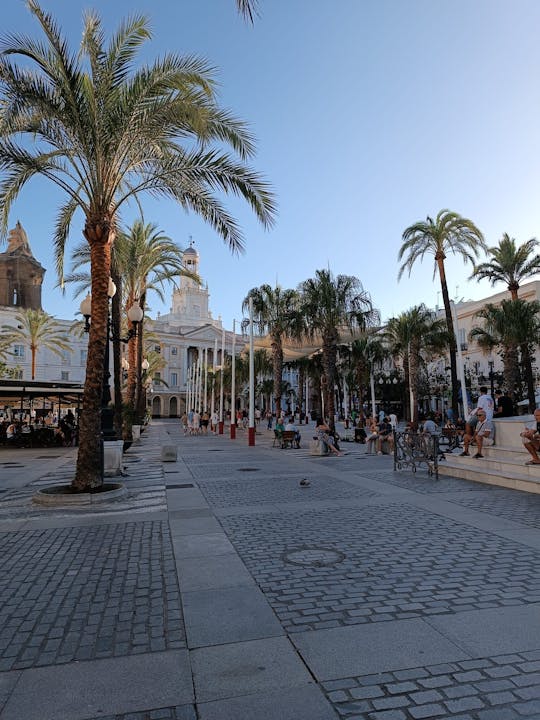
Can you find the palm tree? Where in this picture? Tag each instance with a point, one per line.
(413, 336)
(145, 259)
(509, 264)
(275, 313)
(247, 8)
(449, 232)
(366, 352)
(333, 306)
(104, 133)
(36, 329)
(512, 326)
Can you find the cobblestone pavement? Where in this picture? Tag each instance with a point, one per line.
(421, 482)
(271, 489)
(82, 593)
(395, 562)
(497, 688)
(520, 507)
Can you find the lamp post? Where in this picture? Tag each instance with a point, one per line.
(221, 422)
(233, 383)
(135, 315)
(491, 378)
(251, 428)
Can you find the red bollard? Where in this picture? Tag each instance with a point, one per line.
(220, 427)
(233, 431)
(251, 436)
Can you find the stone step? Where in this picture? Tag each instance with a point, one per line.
(498, 462)
(513, 476)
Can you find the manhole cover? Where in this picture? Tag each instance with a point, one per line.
(248, 469)
(313, 557)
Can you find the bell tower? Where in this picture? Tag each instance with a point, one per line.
(190, 300)
(21, 275)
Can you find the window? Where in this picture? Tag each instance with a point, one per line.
(84, 356)
(157, 348)
(64, 375)
(66, 357)
(174, 350)
(157, 376)
(174, 379)
(17, 374)
(18, 351)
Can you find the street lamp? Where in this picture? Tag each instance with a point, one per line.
(135, 316)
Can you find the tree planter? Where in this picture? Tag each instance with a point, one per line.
(65, 495)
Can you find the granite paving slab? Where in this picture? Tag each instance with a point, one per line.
(495, 630)
(244, 668)
(519, 507)
(343, 652)
(306, 703)
(78, 691)
(227, 615)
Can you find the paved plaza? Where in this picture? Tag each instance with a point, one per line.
(220, 588)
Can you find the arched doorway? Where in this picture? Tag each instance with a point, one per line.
(173, 407)
(156, 407)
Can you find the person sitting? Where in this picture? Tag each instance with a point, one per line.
(323, 433)
(430, 427)
(483, 434)
(372, 436)
(385, 435)
(12, 433)
(531, 438)
(291, 426)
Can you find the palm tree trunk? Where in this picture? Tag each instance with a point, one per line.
(452, 337)
(33, 351)
(301, 380)
(329, 363)
(277, 361)
(526, 363)
(139, 394)
(511, 370)
(88, 471)
(414, 368)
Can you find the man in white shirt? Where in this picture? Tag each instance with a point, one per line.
(485, 403)
(484, 434)
(291, 426)
(531, 438)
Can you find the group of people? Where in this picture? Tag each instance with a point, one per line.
(287, 424)
(196, 423)
(22, 433)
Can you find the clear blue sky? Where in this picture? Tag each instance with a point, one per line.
(369, 114)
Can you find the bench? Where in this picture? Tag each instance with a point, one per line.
(285, 439)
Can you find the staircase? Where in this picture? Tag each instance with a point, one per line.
(503, 464)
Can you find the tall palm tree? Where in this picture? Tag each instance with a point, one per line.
(275, 311)
(448, 233)
(413, 336)
(334, 306)
(36, 329)
(104, 133)
(366, 352)
(509, 264)
(513, 327)
(146, 259)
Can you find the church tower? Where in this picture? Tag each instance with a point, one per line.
(21, 275)
(190, 300)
